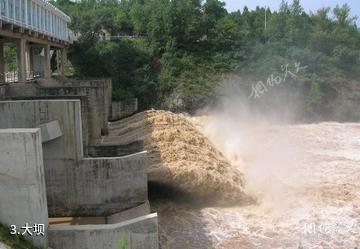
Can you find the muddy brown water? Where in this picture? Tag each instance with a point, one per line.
(311, 201)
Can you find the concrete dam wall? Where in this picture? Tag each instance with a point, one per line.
(22, 182)
(65, 121)
(78, 186)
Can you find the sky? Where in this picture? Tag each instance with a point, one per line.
(308, 5)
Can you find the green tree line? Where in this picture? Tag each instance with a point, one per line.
(173, 53)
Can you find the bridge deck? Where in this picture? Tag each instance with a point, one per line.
(32, 24)
(37, 16)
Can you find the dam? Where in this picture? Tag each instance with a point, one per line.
(51, 166)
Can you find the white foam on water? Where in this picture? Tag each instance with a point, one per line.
(313, 202)
(306, 179)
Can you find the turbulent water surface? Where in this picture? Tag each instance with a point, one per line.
(307, 182)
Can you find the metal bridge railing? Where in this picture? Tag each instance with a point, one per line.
(13, 77)
(37, 15)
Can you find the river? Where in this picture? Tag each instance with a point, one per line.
(306, 179)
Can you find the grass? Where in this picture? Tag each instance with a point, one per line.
(123, 242)
(14, 241)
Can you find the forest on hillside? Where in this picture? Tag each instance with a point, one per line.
(176, 54)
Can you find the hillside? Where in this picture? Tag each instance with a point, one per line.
(176, 55)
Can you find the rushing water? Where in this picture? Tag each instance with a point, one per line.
(307, 182)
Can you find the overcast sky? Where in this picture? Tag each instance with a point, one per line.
(313, 5)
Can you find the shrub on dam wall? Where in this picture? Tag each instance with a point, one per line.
(13, 241)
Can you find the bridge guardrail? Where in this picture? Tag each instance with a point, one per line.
(37, 15)
(12, 76)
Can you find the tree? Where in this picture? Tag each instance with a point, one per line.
(342, 15)
(189, 45)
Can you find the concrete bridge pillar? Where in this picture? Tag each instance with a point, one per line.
(47, 64)
(29, 59)
(63, 61)
(21, 60)
(2, 63)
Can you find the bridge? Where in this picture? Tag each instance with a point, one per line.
(38, 29)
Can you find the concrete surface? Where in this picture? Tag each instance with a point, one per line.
(2, 91)
(31, 114)
(140, 233)
(50, 131)
(115, 150)
(122, 109)
(96, 107)
(96, 186)
(132, 213)
(95, 95)
(22, 183)
(83, 105)
(78, 186)
(22, 90)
